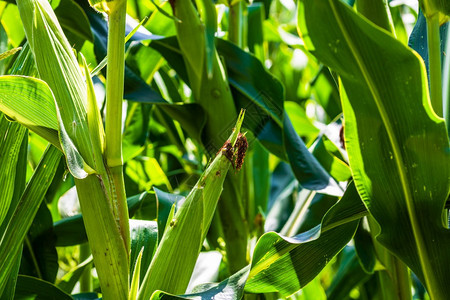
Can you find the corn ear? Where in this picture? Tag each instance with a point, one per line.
(175, 258)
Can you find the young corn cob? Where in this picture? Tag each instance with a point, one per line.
(174, 260)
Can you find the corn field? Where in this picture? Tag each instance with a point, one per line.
(227, 149)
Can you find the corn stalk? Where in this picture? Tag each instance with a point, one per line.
(94, 162)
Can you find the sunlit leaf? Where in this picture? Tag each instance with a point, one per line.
(397, 146)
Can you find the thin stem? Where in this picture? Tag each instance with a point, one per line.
(114, 84)
(114, 99)
(434, 54)
(33, 257)
(293, 224)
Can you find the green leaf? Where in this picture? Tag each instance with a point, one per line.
(324, 150)
(397, 146)
(230, 288)
(261, 178)
(247, 75)
(73, 19)
(9, 53)
(286, 264)
(12, 135)
(348, 276)
(364, 247)
(19, 224)
(302, 125)
(165, 203)
(30, 102)
(40, 258)
(70, 279)
(313, 290)
(134, 287)
(11, 280)
(191, 34)
(24, 63)
(144, 240)
(34, 288)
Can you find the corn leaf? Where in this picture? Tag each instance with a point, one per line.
(73, 20)
(18, 225)
(30, 102)
(208, 14)
(192, 32)
(165, 203)
(144, 240)
(349, 275)
(40, 245)
(34, 288)
(12, 135)
(397, 145)
(13, 157)
(70, 279)
(134, 287)
(286, 264)
(230, 288)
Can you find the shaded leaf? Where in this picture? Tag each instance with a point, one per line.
(349, 275)
(70, 279)
(73, 20)
(38, 289)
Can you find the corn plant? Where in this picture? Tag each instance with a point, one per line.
(224, 150)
